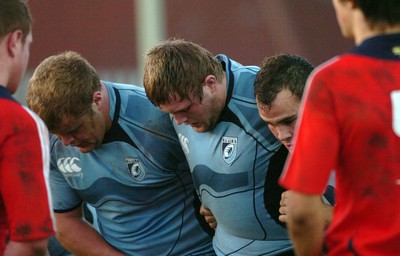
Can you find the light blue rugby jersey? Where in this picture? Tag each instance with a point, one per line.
(230, 164)
(138, 181)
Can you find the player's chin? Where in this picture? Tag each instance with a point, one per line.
(86, 148)
(200, 129)
(202, 126)
(196, 127)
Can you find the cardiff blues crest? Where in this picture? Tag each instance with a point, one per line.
(135, 168)
(229, 149)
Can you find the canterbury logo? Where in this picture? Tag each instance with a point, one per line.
(184, 143)
(69, 165)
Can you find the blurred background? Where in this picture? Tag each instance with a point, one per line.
(114, 35)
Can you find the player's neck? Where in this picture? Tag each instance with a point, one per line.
(376, 32)
(4, 75)
(105, 106)
(363, 30)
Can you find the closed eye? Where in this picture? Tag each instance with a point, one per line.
(288, 121)
(72, 132)
(185, 109)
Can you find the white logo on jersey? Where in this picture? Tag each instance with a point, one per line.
(184, 143)
(395, 97)
(229, 149)
(69, 166)
(135, 168)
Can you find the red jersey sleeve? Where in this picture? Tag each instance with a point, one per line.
(24, 169)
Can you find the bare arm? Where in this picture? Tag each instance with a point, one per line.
(326, 209)
(328, 214)
(28, 248)
(306, 223)
(79, 237)
(208, 216)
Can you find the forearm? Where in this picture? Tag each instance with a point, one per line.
(307, 237)
(306, 223)
(328, 215)
(80, 238)
(29, 248)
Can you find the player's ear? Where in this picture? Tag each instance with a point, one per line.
(211, 82)
(352, 3)
(97, 97)
(12, 42)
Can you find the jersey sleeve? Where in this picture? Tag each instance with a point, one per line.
(64, 197)
(316, 141)
(24, 172)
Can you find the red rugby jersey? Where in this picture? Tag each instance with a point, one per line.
(24, 165)
(350, 122)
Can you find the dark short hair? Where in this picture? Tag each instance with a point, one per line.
(14, 15)
(282, 71)
(377, 11)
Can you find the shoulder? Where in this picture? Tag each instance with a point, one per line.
(337, 72)
(112, 86)
(331, 66)
(325, 74)
(19, 116)
(127, 95)
(234, 66)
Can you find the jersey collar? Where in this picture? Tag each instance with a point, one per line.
(381, 47)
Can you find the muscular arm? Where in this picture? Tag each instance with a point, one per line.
(327, 210)
(79, 237)
(28, 248)
(306, 223)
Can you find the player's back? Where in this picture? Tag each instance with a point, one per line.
(365, 89)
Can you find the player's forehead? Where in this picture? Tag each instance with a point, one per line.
(285, 96)
(279, 112)
(277, 118)
(70, 123)
(175, 104)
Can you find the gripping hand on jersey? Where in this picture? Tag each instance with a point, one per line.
(208, 216)
(327, 208)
